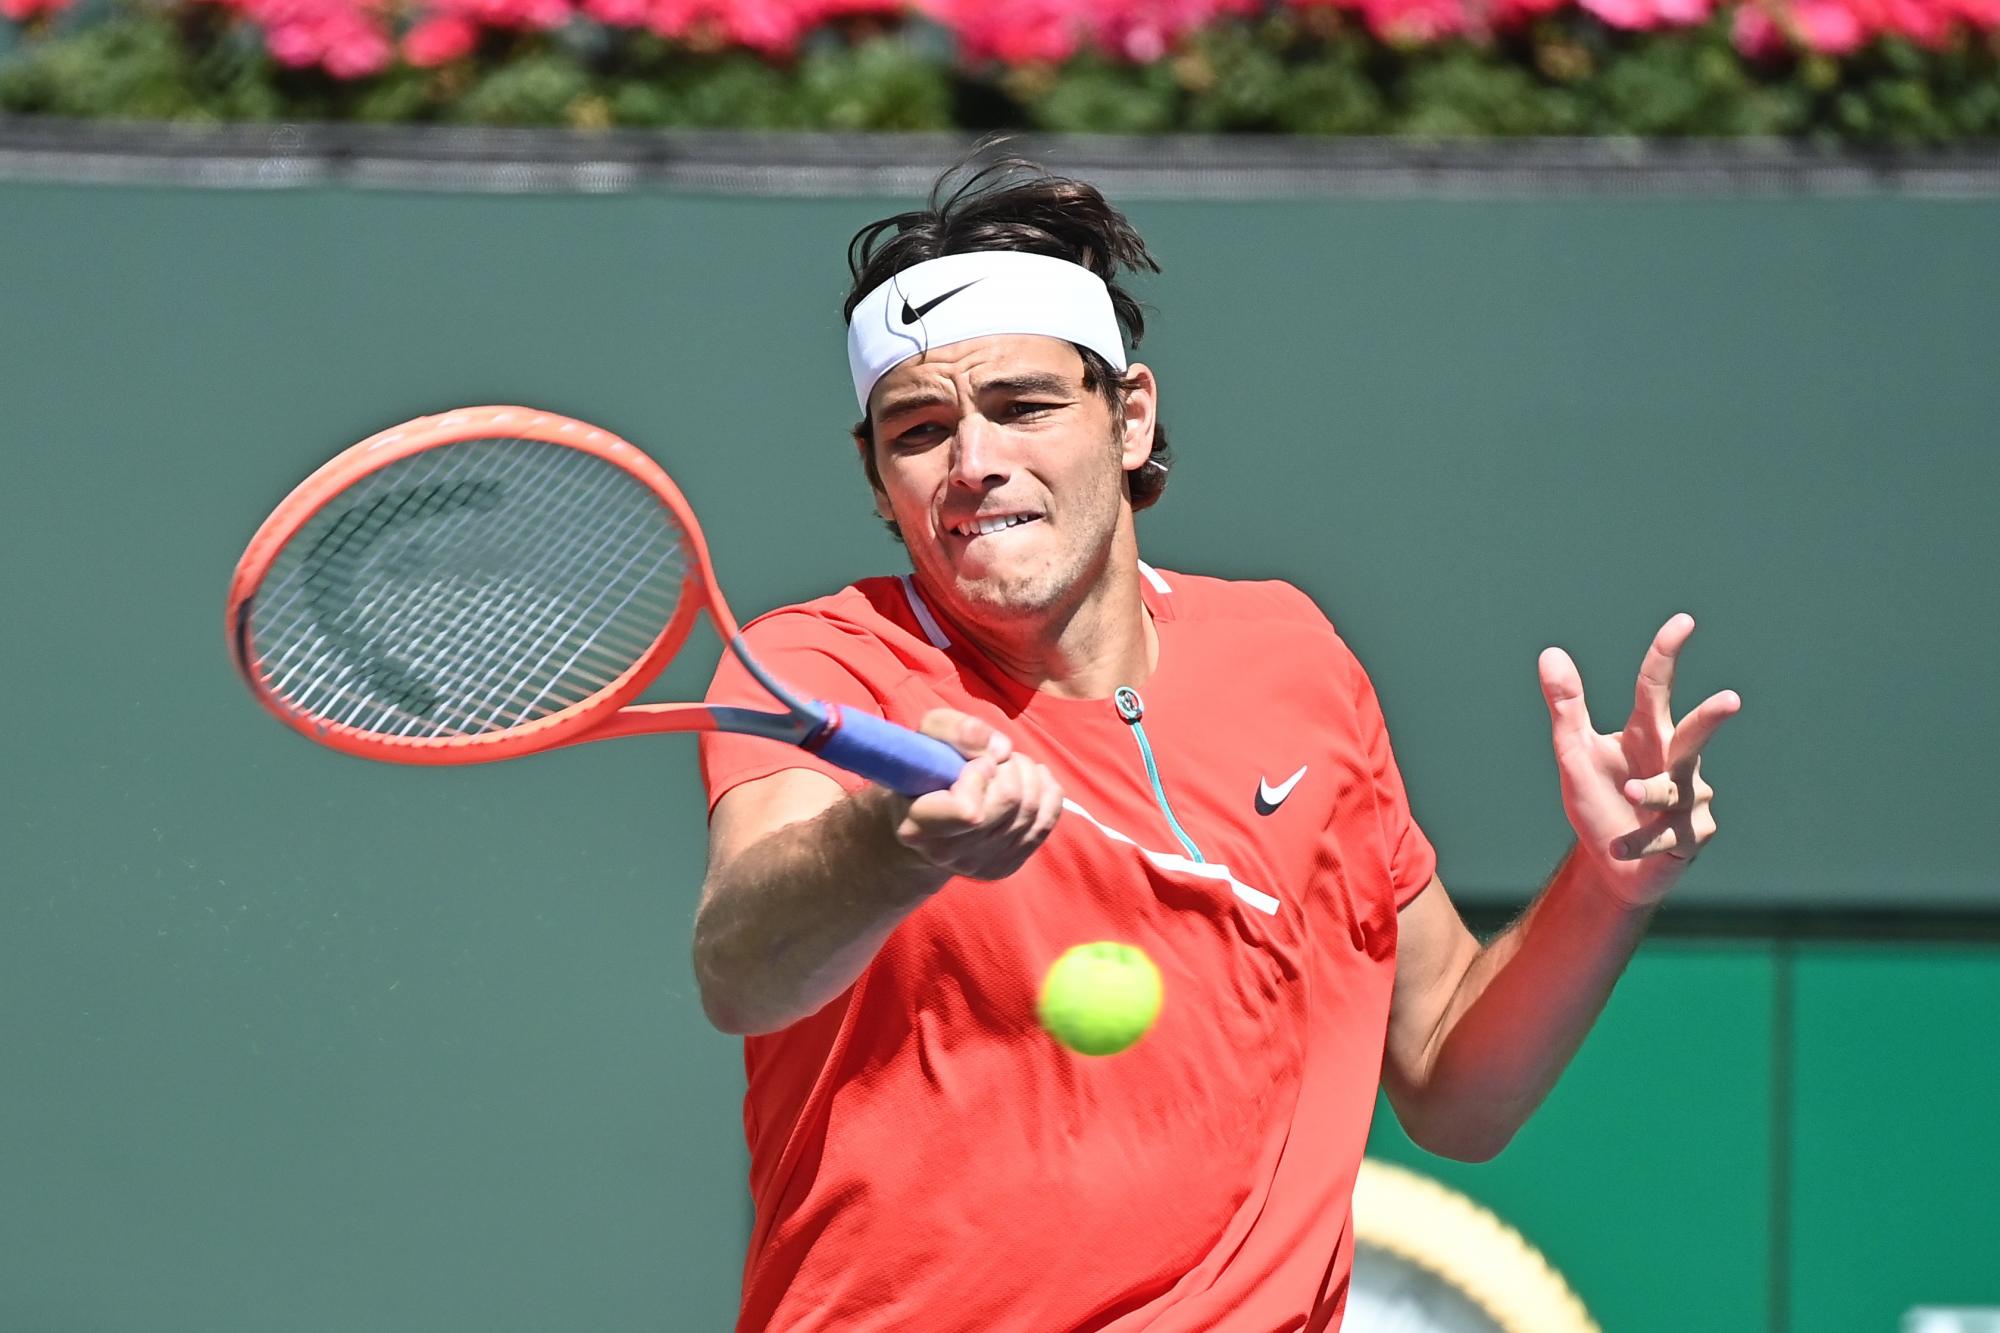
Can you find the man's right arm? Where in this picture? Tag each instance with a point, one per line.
(805, 881)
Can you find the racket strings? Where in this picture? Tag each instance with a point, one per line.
(334, 683)
(507, 609)
(469, 589)
(522, 613)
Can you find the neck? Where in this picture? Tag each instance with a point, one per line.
(1084, 649)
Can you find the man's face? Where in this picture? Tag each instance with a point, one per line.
(1003, 473)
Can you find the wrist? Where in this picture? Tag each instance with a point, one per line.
(904, 876)
(1625, 892)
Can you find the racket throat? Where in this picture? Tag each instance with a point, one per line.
(798, 707)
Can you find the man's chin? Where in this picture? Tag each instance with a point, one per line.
(993, 598)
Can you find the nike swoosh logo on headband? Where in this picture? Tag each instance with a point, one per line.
(912, 316)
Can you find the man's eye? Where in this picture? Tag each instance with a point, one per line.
(929, 433)
(1027, 409)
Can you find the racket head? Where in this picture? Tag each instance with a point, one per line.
(399, 604)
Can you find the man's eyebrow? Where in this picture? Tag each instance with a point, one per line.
(1034, 381)
(1031, 381)
(909, 401)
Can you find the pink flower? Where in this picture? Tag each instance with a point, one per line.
(293, 44)
(1145, 30)
(1925, 22)
(1414, 22)
(1641, 15)
(1405, 22)
(1840, 27)
(1755, 34)
(356, 52)
(1831, 27)
(1631, 14)
(349, 39)
(1015, 32)
(508, 15)
(441, 40)
(618, 13)
(1683, 13)
(771, 26)
(1515, 13)
(22, 10)
(1981, 15)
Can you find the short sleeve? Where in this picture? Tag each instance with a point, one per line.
(808, 654)
(1412, 859)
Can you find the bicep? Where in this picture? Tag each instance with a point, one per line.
(1434, 951)
(751, 811)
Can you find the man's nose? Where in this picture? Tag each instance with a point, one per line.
(978, 454)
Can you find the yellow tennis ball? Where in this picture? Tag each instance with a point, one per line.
(1098, 999)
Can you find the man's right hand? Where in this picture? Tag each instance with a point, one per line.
(988, 823)
(805, 881)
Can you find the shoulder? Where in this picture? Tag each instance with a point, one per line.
(1259, 615)
(1200, 597)
(871, 618)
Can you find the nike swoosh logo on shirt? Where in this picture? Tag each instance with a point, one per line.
(1269, 798)
(912, 316)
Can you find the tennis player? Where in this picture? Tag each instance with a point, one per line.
(1195, 766)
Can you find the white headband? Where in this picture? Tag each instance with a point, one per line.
(948, 300)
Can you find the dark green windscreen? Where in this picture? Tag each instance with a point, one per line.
(300, 1042)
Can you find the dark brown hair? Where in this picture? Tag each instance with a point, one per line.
(1011, 203)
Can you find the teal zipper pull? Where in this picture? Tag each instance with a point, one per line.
(1131, 708)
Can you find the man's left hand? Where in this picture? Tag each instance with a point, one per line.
(1636, 797)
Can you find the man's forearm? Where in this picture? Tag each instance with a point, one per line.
(1522, 1011)
(792, 920)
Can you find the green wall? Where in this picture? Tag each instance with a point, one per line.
(1766, 1135)
(298, 1042)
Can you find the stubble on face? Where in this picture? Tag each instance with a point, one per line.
(1073, 477)
(1070, 557)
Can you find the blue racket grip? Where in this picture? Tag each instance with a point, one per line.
(906, 762)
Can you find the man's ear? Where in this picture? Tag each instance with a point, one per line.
(863, 447)
(1141, 415)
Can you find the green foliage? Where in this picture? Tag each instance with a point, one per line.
(881, 84)
(1295, 72)
(1457, 91)
(539, 88)
(1092, 95)
(737, 90)
(140, 65)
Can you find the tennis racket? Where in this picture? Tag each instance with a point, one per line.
(497, 581)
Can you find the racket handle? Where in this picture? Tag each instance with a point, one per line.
(906, 762)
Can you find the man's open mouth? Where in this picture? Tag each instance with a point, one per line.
(984, 527)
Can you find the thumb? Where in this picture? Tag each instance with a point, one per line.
(1562, 690)
(969, 735)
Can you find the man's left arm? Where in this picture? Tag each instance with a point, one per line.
(1478, 1036)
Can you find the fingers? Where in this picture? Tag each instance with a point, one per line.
(1665, 791)
(1660, 792)
(1562, 690)
(1684, 816)
(970, 736)
(1698, 727)
(961, 802)
(1679, 836)
(1655, 692)
(987, 824)
(1650, 840)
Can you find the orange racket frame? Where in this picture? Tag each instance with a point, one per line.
(605, 714)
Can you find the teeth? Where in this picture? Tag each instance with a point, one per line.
(990, 525)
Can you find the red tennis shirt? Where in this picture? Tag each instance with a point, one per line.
(924, 1157)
